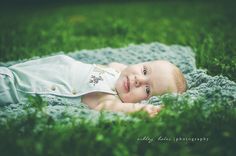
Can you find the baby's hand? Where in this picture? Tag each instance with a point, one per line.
(152, 110)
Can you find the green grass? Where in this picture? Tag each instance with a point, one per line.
(37, 134)
(209, 28)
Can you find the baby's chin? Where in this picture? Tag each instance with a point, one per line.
(124, 100)
(124, 96)
(127, 99)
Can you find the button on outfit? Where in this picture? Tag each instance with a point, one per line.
(53, 88)
(74, 92)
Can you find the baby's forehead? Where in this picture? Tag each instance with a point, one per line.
(163, 63)
(157, 64)
(146, 62)
(150, 63)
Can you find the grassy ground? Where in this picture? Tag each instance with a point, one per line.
(209, 28)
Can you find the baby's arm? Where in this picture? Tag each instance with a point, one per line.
(117, 106)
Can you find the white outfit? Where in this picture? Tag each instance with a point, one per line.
(62, 76)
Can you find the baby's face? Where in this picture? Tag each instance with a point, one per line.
(141, 81)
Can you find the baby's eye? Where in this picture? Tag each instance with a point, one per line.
(144, 70)
(147, 90)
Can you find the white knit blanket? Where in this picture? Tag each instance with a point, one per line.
(199, 83)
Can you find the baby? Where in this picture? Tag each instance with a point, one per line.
(115, 87)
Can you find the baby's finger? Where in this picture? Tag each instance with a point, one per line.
(153, 114)
(157, 108)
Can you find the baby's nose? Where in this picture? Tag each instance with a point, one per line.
(140, 80)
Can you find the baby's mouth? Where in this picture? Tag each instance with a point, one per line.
(127, 84)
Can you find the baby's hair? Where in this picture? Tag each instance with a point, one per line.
(180, 80)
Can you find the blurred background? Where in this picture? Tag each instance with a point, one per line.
(40, 27)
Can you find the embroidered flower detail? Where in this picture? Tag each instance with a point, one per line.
(94, 80)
